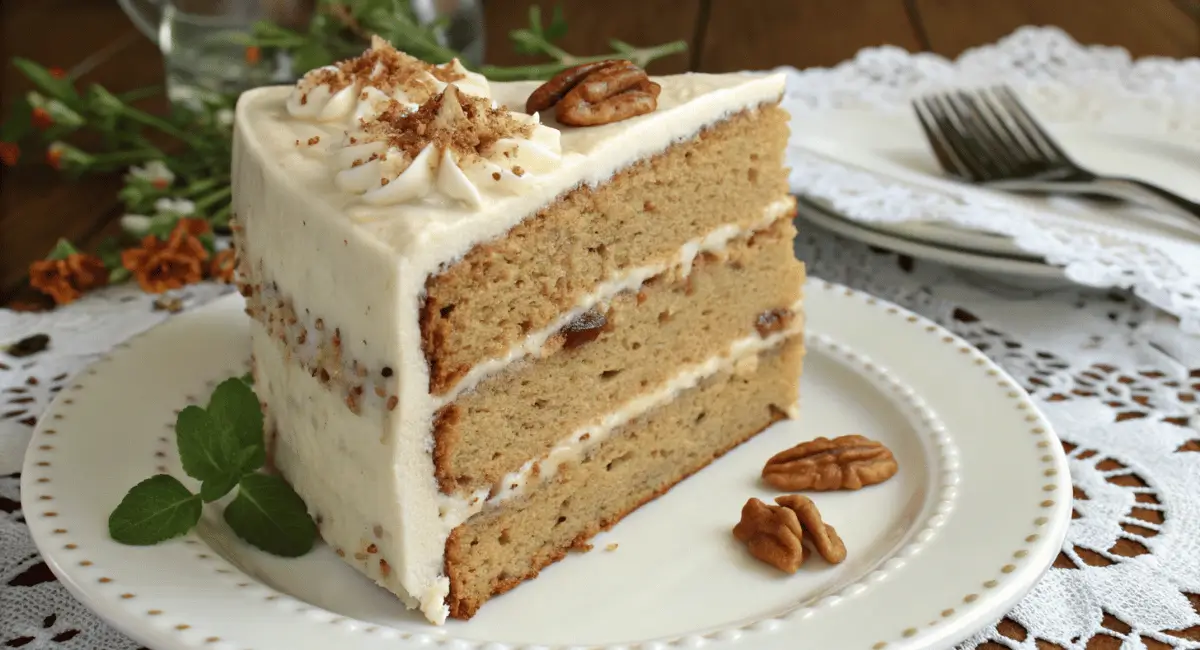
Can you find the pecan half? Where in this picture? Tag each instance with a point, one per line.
(598, 93)
(844, 463)
(780, 535)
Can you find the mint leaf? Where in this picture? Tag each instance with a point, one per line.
(218, 486)
(270, 515)
(153, 511)
(235, 408)
(248, 378)
(62, 250)
(202, 450)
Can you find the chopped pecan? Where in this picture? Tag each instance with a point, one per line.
(597, 93)
(780, 535)
(844, 463)
(772, 321)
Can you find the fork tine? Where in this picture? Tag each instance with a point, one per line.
(1004, 154)
(942, 150)
(1025, 156)
(1025, 121)
(973, 152)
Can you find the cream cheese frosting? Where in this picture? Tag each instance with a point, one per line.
(337, 249)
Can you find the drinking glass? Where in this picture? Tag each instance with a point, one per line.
(204, 41)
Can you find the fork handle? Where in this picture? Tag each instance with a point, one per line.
(1117, 187)
(1151, 196)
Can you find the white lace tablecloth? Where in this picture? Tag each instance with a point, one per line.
(1119, 378)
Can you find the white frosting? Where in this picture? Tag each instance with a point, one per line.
(366, 264)
(384, 175)
(363, 98)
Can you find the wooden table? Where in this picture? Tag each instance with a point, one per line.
(37, 206)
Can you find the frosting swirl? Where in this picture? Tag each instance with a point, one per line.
(455, 146)
(362, 87)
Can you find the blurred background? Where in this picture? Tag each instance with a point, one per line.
(96, 41)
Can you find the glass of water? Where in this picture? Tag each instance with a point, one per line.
(204, 43)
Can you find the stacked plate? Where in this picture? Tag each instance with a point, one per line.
(888, 151)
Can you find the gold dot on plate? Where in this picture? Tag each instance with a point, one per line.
(947, 612)
(60, 531)
(1040, 521)
(990, 584)
(85, 563)
(1020, 554)
(1013, 393)
(1032, 538)
(970, 598)
(1047, 458)
(912, 631)
(1038, 430)
(182, 626)
(1050, 472)
(46, 497)
(154, 612)
(71, 547)
(930, 328)
(1007, 568)
(213, 639)
(49, 432)
(43, 479)
(126, 596)
(879, 646)
(50, 514)
(1031, 418)
(1047, 503)
(1049, 487)
(42, 463)
(104, 580)
(1043, 444)
(45, 447)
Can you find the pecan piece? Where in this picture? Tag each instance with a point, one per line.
(844, 463)
(772, 321)
(597, 93)
(781, 535)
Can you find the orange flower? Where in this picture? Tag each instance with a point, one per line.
(54, 156)
(222, 265)
(162, 265)
(41, 118)
(66, 279)
(10, 153)
(57, 73)
(253, 54)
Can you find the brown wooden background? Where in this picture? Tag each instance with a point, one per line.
(37, 207)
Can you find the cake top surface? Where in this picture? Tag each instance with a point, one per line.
(426, 161)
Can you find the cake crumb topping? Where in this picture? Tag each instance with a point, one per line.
(466, 125)
(385, 66)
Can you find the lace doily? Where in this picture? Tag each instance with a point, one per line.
(1065, 82)
(1118, 377)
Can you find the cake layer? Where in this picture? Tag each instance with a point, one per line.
(498, 549)
(642, 338)
(503, 290)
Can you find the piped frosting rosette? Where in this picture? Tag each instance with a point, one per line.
(362, 87)
(454, 146)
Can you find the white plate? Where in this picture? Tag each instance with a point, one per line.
(1024, 268)
(976, 514)
(894, 145)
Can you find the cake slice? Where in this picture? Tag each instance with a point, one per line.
(482, 335)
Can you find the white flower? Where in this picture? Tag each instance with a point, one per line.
(225, 117)
(156, 172)
(135, 224)
(181, 207)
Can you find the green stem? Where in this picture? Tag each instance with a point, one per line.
(139, 94)
(213, 198)
(160, 124)
(221, 217)
(200, 186)
(125, 157)
(543, 70)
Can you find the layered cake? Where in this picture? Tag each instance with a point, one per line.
(491, 319)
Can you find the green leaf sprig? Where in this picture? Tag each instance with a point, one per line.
(222, 447)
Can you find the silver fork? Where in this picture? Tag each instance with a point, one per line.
(989, 138)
